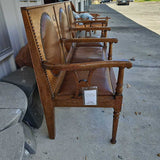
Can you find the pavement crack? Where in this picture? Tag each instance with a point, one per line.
(145, 66)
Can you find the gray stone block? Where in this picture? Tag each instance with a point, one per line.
(34, 114)
(30, 142)
(24, 78)
(12, 143)
(9, 117)
(12, 97)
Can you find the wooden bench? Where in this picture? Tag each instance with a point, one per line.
(61, 75)
(67, 31)
(95, 15)
(101, 23)
(96, 22)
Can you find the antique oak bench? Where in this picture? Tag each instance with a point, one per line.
(68, 32)
(62, 74)
(95, 22)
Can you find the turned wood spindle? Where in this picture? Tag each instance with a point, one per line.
(115, 126)
(119, 88)
(110, 51)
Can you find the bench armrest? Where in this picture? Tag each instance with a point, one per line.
(93, 14)
(91, 40)
(110, 40)
(91, 28)
(87, 66)
(91, 66)
(95, 18)
(90, 21)
(104, 18)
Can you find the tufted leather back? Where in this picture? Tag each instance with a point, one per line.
(50, 40)
(44, 44)
(63, 24)
(64, 27)
(57, 7)
(69, 13)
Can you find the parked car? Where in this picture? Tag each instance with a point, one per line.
(104, 1)
(126, 2)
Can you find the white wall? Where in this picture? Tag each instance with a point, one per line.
(14, 22)
(15, 27)
(75, 2)
(16, 31)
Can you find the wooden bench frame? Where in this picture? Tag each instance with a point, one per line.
(96, 22)
(50, 75)
(95, 15)
(72, 30)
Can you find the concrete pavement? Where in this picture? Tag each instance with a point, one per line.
(134, 39)
(145, 14)
(84, 133)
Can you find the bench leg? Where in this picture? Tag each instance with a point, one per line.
(115, 126)
(50, 121)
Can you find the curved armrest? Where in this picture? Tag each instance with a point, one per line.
(110, 40)
(91, 28)
(87, 66)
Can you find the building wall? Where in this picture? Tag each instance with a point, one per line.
(14, 22)
(14, 37)
(77, 2)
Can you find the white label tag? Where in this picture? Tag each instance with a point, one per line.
(90, 97)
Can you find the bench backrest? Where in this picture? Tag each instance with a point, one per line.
(59, 7)
(69, 13)
(44, 44)
(63, 24)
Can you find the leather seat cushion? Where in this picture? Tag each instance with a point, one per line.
(101, 78)
(96, 44)
(87, 54)
(98, 25)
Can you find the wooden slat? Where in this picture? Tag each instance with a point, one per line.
(69, 101)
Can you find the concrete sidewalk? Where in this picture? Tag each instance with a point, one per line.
(84, 133)
(146, 14)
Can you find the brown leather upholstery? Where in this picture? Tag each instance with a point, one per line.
(87, 54)
(101, 77)
(50, 40)
(50, 46)
(92, 44)
(64, 24)
(65, 33)
(70, 14)
(97, 44)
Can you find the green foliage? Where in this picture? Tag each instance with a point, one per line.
(146, 0)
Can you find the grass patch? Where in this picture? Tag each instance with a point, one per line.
(147, 0)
